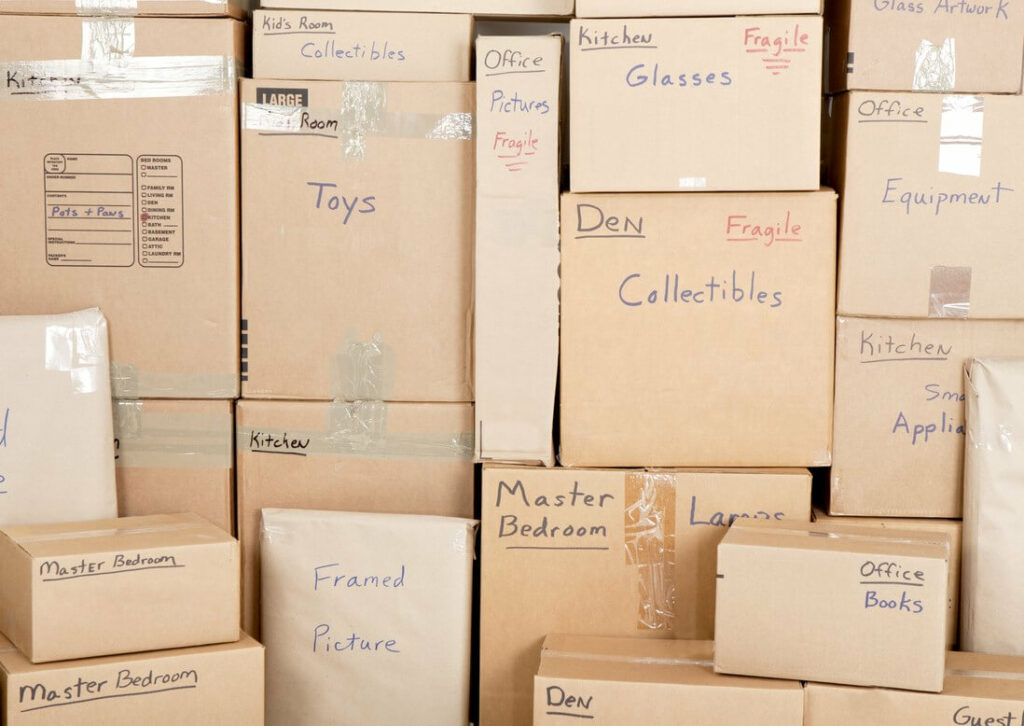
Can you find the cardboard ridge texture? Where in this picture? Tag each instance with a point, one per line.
(56, 447)
(789, 592)
(993, 466)
(86, 589)
(475, 7)
(205, 685)
(378, 606)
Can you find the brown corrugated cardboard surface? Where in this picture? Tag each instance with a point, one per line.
(951, 527)
(364, 46)
(117, 586)
(930, 205)
(122, 190)
(517, 259)
(709, 104)
(993, 571)
(633, 682)
(176, 456)
(358, 244)
(859, 606)
(476, 7)
(386, 603)
(604, 552)
(925, 45)
(898, 431)
(687, 8)
(979, 690)
(398, 459)
(697, 329)
(209, 685)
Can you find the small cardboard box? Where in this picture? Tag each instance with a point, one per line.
(898, 428)
(209, 685)
(122, 189)
(349, 46)
(931, 201)
(233, 8)
(516, 264)
(605, 552)
(474, 7)
(979, 690)
(693, 8)
(789, 593)
(396, 458)
(683, 104)
(925, 45)
(386, 603)
(358, 217)
(117, 586)
(636, 682)
(951, 527)
(705, 321)
(993, 569)
(176, 456)
(56, 453)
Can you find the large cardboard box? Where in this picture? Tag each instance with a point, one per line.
(634, 682)
(925, 45)
(697, 330)
(176, 456)
(349, 46)
(689, 8)
(993, 562)
(358, 217)
(117, 586)
(953, 528)
(209, 685)
(475, 7)
(56, 453)
(385, 601)
(370, 457)
(605, 552)
(516, 291)
(979, 690)
(122, 190)
(930, 199)
(234, 8)
(789, 593)
(898, 429)
(682, 104)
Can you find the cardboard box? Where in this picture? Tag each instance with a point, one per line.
(984, 690)
(705, 322)
(604, 552)
(633, 682)
(788, 594)
(176, 456)
(233, 8)
(950, 527)
(398, 459)
(348, 46)
(930, 201)
(208, 685)
(993, 579)
(898, 430)
(180, 586)
(516, 294)
(388, 615)
(475, 7)
(56, 453)
(358, 240)
(690, 8)
(122, 190)
(925, 45)
(706, 104)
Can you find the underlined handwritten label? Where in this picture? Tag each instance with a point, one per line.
(590, 38)
(266, 442)
(740, 228)
(875, 575)
(56, 570)
(573, 705)
(570, 535)
(885, 110)
(776, 50)
(878, 348)
(38, 696)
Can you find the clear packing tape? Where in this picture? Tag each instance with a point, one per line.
(935, 66)
(127, 381)
(362, 115)
(650, 527)
(79, 349)
(631, 659)
(117, 7)
(165, 440)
